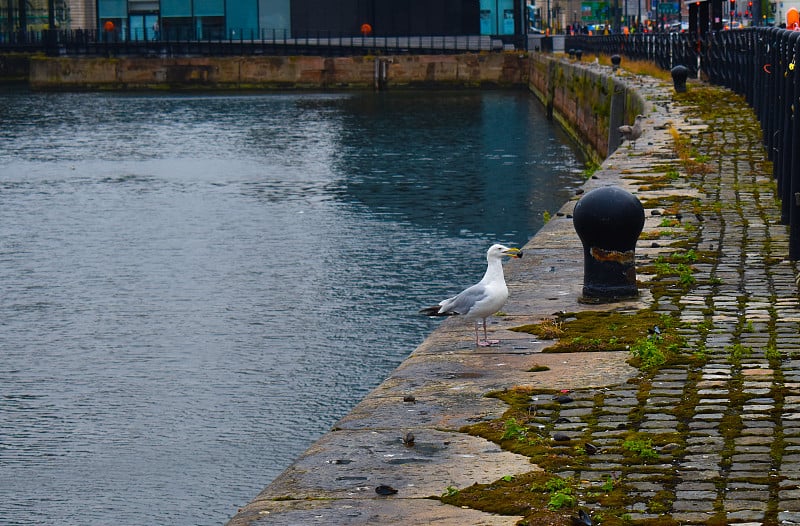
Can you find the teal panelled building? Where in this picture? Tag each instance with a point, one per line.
(246, 19)
(195, 19)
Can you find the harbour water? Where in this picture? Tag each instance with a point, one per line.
(195, 287)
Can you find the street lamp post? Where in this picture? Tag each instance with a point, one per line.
(548, 14)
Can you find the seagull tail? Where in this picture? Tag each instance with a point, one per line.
(434, 311)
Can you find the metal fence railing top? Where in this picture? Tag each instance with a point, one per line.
(245, 42)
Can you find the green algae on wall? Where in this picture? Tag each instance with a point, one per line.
(585, 102)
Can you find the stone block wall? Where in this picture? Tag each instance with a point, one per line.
(292, 72)
(585, 100)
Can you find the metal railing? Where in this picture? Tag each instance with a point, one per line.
(761, 64)
(242, 42)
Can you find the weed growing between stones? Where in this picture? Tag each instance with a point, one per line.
(641, 448)
(590, 169)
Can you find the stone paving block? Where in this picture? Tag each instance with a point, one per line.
(690, 485)
(747, 442)
(709, 427)
(748, 495)
(744, 458)
(789, 494)
(697, 474)
(789, 517)
(734, 517)
(694, 505)
(713, 416)
(644, 486)
(704, 495)
(710, 408)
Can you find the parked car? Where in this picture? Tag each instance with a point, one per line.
(730, 24)
(679, 27)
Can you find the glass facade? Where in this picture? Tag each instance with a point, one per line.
(274, 18)
(30, 15)
(497, 17)
(193, 19)
(242, 19)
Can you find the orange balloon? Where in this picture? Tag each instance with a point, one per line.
(792, 17)
(366, 29)
(109, 26)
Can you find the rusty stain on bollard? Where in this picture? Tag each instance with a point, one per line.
(623, 258)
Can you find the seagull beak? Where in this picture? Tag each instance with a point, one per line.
(513, 252)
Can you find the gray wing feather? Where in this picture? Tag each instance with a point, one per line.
(466, 300)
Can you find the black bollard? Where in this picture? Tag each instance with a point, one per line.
(608, 221)
(615, 61)
(679, 76)
(578, 54)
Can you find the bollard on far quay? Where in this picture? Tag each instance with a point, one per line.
(608, 221)
(616, 60)
(679, 75)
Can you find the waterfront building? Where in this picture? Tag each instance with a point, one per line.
(256, 19)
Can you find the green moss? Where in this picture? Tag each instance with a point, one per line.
(644, 332)
(526, 495)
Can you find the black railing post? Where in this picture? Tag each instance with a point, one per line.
(792, 133)
(784, 144)
(772, 67)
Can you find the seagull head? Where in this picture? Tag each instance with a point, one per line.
(498, 251)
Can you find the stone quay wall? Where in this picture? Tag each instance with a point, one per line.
(14, 67)
(489, 70)
(587, 102)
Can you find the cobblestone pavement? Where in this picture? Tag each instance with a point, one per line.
(735, 420)
(726, 424)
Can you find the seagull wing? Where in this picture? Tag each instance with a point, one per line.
(466, 301)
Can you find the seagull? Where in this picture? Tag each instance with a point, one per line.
(631, 133)
(483, 299)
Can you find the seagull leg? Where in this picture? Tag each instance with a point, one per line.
(478, 343)
(486, 341)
